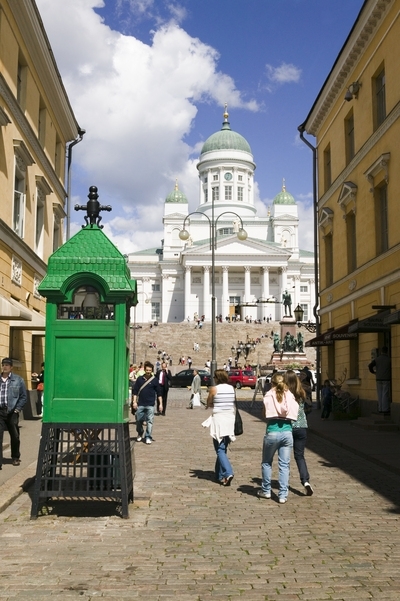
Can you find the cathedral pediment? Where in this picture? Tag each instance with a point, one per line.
(235, 248)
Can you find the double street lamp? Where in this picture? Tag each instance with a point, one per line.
(184, 235)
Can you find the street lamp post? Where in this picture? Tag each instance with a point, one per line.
(184, 235)
(298, 315)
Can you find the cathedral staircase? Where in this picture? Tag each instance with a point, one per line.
(177, 340)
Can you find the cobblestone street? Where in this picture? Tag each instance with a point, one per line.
(188, 538)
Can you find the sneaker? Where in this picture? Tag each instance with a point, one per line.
(16, 462)
(309, 489)
(148, 441)
(263, 495)
(138, 439)
(228, 480)
(282, 501)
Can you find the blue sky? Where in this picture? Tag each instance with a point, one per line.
(148, 80)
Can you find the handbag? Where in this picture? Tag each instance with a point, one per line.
(238, 429)
(307, 408)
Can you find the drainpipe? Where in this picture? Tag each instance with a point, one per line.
(81, 133)
(301, 129)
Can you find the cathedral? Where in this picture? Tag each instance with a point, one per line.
(254, 260)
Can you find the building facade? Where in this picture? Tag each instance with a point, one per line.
(356, 122)
(251, 275)
(36, 123)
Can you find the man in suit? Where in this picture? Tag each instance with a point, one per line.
(164, 376)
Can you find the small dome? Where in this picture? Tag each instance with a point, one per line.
(177, 196)
(226, 139)
(284, 198)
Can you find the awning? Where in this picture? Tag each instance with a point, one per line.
(321, 340)
(392, 318)
(20, 316)
(12, 309)
(374, 323)
(329, 337)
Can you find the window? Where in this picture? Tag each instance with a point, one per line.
(215, 193)
(225, 231)
(327, 168)
(19, 198)
(351, 242)
(240, 193)
(21, 81)
(303, 288)
(58, 158)
(381, 219)
(155, 311)
(39, 234)
(228, 192)
(155, 287)
(328, 260)
(57, 241)
(349, 137)
(305, 309)
(42, 123)
(215, 178)
(205, 179)
(379, 98)
(206, 195)
(240, 178)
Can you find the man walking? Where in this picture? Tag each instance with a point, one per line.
(12, 398)
(144, 395)
(381, 367)
(195, 389)
(164, 377)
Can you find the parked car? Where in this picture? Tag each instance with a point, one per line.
(185, 377)
(242, 377)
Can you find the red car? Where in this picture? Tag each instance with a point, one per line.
(242, 377)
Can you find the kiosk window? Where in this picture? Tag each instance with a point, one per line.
(86, 304)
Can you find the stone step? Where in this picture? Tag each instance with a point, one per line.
(372, 423)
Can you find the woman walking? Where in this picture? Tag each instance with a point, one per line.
(280, 410)
(300, 427)
(221, 398)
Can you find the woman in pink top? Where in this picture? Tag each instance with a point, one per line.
(280, 409)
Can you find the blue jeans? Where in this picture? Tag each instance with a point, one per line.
(283, 443)
(223, 467)
(299, 443)
(144, 414)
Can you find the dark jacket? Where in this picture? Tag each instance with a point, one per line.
(148, 395)
(381, 367)
(167, 379)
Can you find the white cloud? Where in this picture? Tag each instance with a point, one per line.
(306, 223)
(137, 102)
(285, 73)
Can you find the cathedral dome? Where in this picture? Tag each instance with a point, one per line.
(226, 139)
(176, 196)
(284, 198)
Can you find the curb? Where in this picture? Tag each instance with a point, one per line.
(15, 486)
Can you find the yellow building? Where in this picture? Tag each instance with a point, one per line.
(356, 122)
(36, 123)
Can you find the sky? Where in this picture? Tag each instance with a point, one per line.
(148, 80)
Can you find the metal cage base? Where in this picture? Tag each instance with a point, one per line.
(84, 461)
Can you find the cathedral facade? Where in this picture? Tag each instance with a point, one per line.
(251, 273)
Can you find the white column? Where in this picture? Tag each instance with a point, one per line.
(164, 298)
(145, 313)
(296, 299)
(265, 292)
(187, 303)
(225, 292)
(206, 293)
(247, 284)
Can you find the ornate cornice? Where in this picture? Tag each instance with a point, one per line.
(363, 31)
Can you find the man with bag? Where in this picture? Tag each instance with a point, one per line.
(144, 396)
(195, 389)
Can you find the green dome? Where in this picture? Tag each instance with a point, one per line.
(176, 196)
(226, 139)
(284, 198)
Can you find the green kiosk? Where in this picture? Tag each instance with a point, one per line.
(85, 450)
